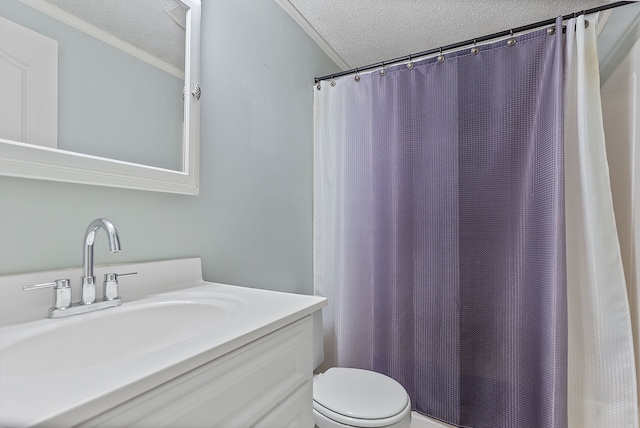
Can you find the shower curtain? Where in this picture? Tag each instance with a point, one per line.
(440, 226)
(439, 231)
(602, 373)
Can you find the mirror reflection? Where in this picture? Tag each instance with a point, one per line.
(99, 78)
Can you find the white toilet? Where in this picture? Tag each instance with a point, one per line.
(347, 398)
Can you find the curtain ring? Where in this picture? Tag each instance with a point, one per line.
(474, 49)
(383, 71)
(512, 40)
(333, 82)
(586, 22)
(357, 76)
(410, 63)
(441, 57)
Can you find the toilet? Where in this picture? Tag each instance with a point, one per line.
(347, 398)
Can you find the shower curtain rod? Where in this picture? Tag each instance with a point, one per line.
(472, 41)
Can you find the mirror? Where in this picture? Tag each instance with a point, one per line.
(106, 93)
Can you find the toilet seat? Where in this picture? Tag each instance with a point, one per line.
(360, 398)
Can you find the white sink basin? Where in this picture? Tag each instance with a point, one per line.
(61, 372)
(114, 334)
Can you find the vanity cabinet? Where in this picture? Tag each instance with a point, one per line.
(181, 352)
(265, 383)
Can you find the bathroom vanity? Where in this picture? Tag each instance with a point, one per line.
(178, 352)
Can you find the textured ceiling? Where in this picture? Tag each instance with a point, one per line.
(363, 32)
(143, 23)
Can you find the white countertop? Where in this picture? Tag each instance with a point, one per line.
(69, 397)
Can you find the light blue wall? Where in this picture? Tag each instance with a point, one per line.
(251, 223)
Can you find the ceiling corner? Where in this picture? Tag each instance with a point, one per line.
(311, 31)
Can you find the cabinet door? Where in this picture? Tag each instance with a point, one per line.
(237, 390)
(292, 413)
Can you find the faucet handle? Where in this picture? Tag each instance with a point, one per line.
(62, 288)
(111, 284)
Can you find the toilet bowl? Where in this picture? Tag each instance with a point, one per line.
(350, 398)
(344, 397)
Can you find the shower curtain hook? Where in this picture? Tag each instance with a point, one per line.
(410, 63)
(474, 49)
(512, 40)
(357, 76)
(586, 21)
(440, 57)
(383, 71)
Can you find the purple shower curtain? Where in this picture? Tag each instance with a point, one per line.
(439, 231)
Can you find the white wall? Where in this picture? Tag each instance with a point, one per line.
(251, 223)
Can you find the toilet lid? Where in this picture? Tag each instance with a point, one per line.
(360, 394)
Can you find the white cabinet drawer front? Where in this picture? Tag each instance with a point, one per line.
(236, 390)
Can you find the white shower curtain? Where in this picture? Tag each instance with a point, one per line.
(601, 371)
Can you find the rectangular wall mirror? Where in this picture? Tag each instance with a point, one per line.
(102, 93)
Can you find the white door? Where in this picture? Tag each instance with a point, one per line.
(28, 86)
(621, 111)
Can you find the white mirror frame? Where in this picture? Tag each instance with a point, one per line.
(28, 161)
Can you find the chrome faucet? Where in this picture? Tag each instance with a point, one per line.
(62, 306)
(88, 279)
